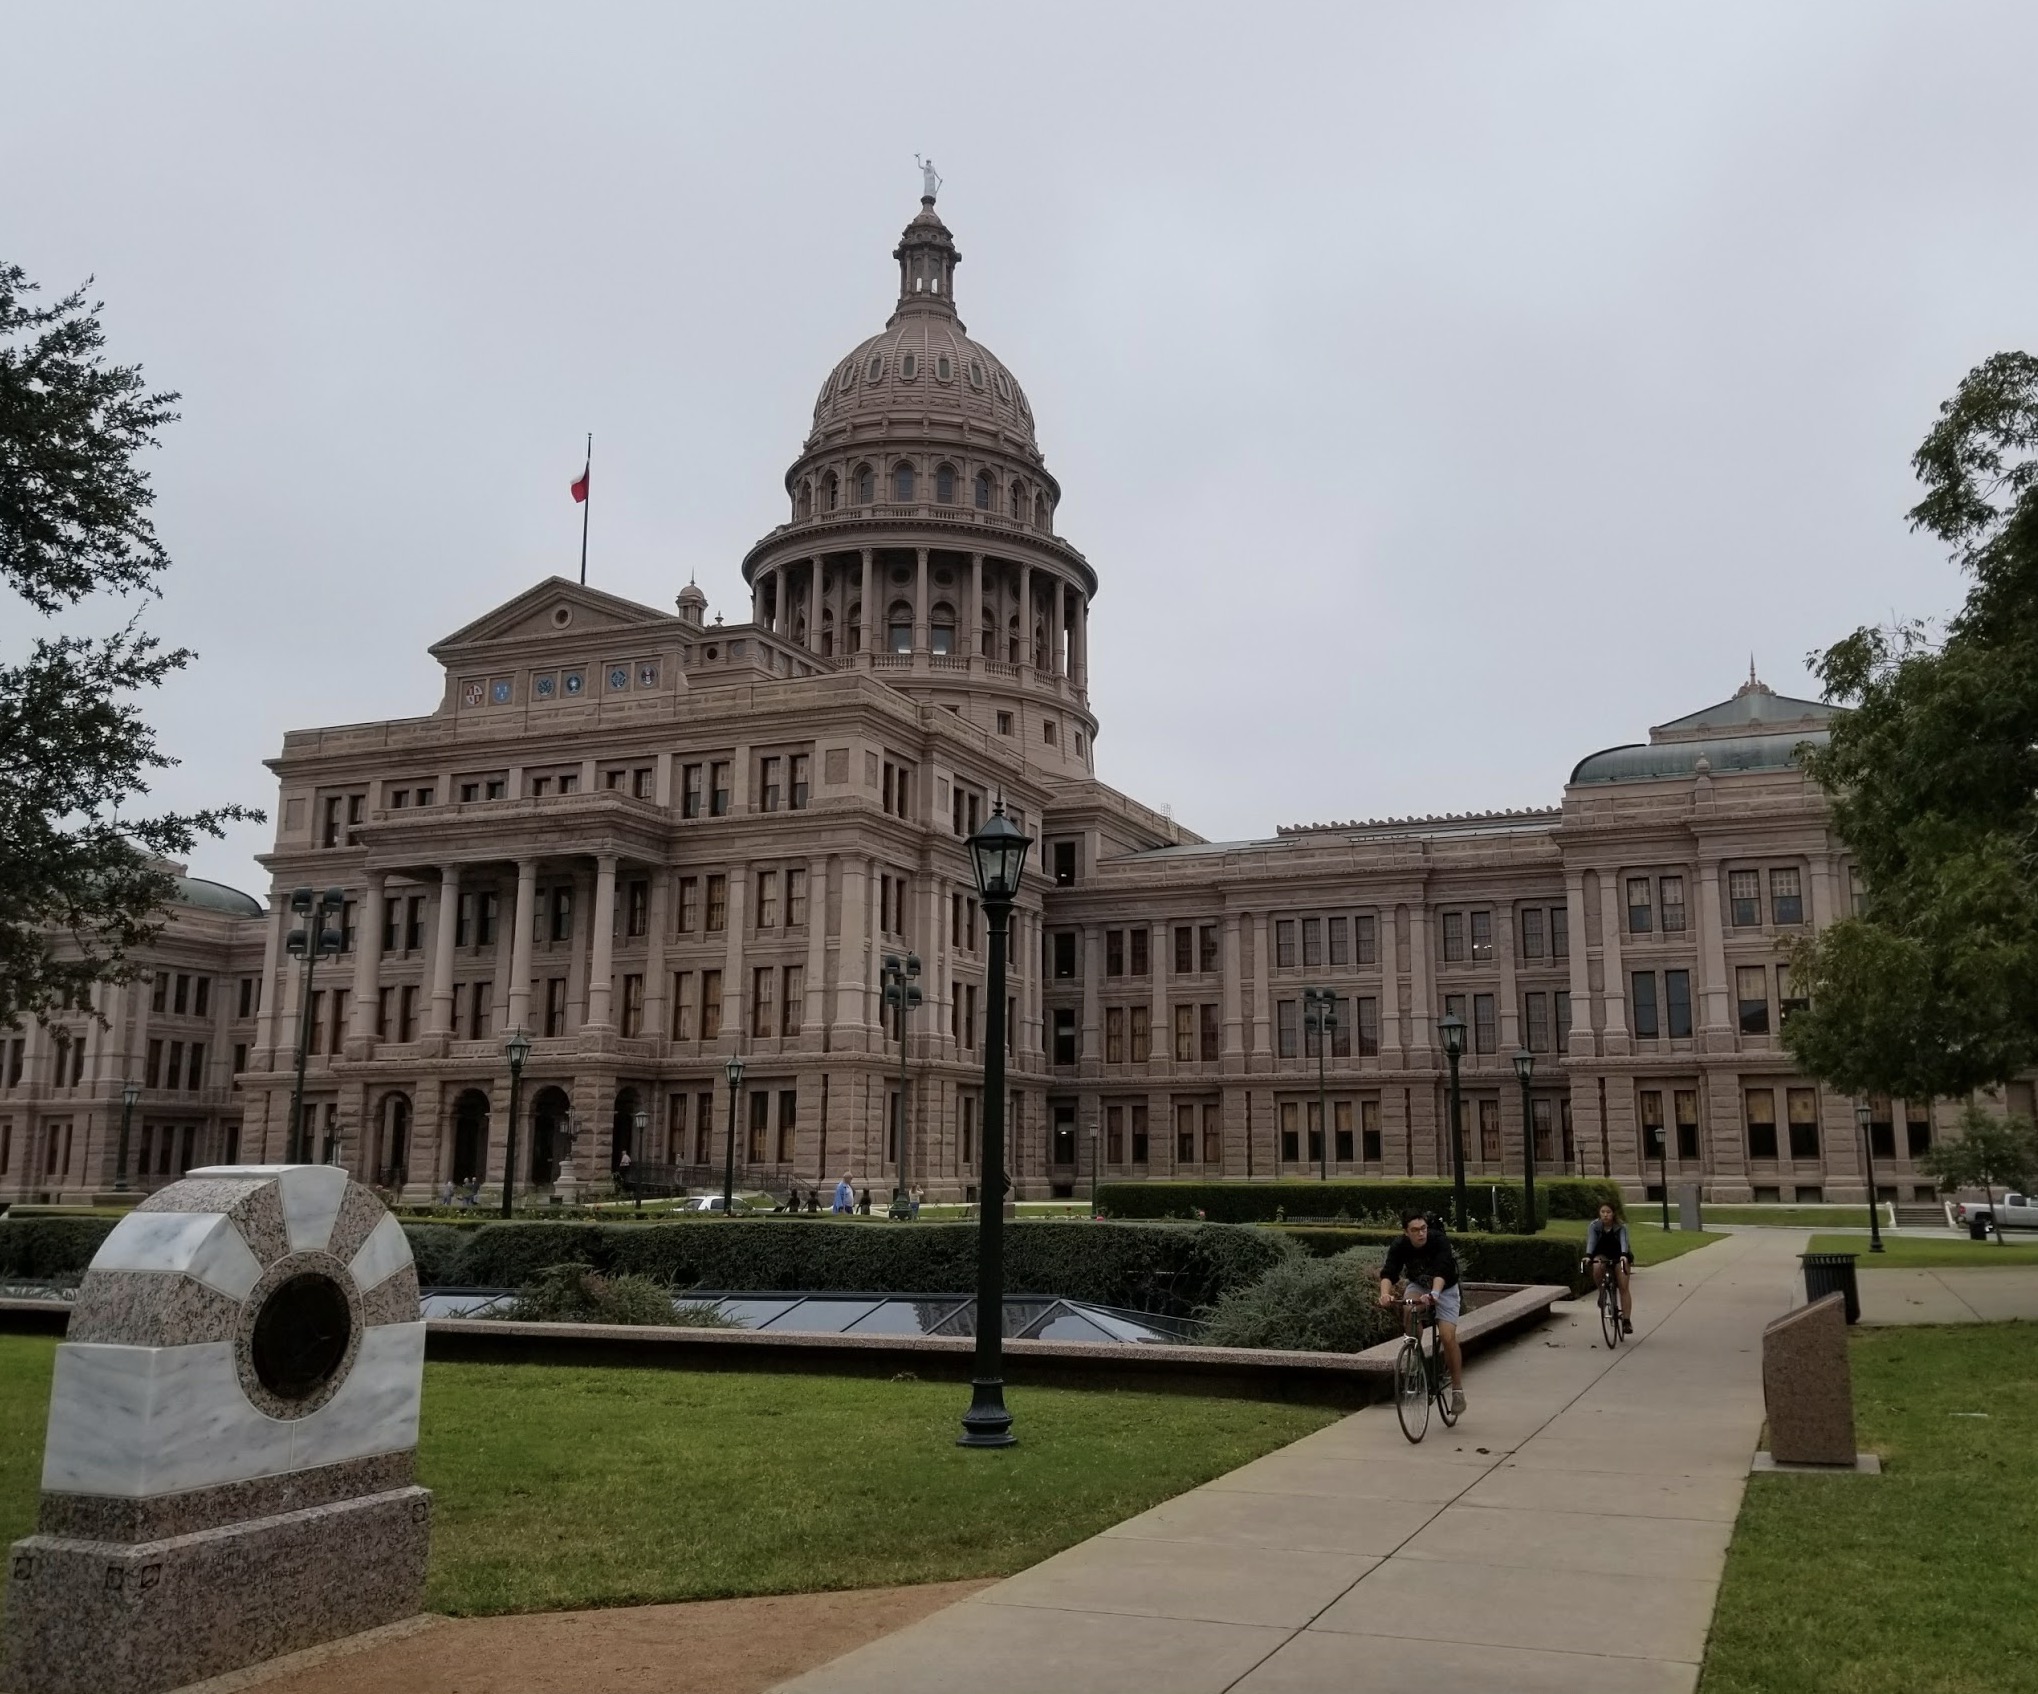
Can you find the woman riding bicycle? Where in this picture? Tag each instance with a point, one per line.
(1423, 1260)
(1607, 1249)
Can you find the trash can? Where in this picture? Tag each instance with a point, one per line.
(1977, 1228)
(1832, 1273)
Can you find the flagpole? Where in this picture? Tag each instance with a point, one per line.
(586, 508)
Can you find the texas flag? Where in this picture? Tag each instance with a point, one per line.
(580, 483)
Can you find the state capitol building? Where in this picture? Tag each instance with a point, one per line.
(652, 840)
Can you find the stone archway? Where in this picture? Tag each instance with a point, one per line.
(470, 1136)
(623, 1129)
(550, 1109)
(390, 1165)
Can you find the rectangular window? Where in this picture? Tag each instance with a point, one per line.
(463, 920)
(385, 998)
(689, 905)
(760, 1001)
(1677, 1002)
(1485, 1027)
(1535, 1017)
(1114, 1035)
(1560, 1015)
(407, 1011)
(691, 789)
(681, 1018)
(1140, 966)
(201, 997)
(799, 770)
(1368, 1010)
(767, 899)
(769, 792)
(1672, 889)
(247, 1000)
(1185, 1034)
(711, 1005)
(1291, 1132)
(1206, 948)
(1454, 938)
(1641, 913)
(1185, 949)
(1206, 1034)
(1804, 1123)
(562, 914)
(182, 1003)
(1787, 1001)
(1687, 1125)
(1185, 1134)
(718, 905)
(1482, 938)
(1652, 1124)
(1917, 1133)
(555, 1007)
(1312, 942)
(1064, 1035)
(480, 1010)
(1285, 956)
(633, 1006)
(788, 1123)
(637, 907)
(796, 897)
(759, 1126)
(1744, 899)
(414, 923)
(1489, 1131)
(1114, 1135)
(1064, 954)
(1114, 952)
(1761, 1120)
(1340, 941)
(1531, 932)
(1366, 933)
(486, 915)
(1542, 1118)
(1142, 1034)
(1286, 1027)
(1786, 902)
(1751, 990)
(792, 999)
(1643, 1002)
(1369, 1131)
(1139, 1135)
(1560, 932)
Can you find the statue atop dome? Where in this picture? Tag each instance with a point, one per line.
(930, 179)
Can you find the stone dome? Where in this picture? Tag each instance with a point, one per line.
(922, 364)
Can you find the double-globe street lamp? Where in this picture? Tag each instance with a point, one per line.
(735, 1069)
(1525, 1070)
(517, 1049)
(901, 979)
(311, 941)
(1451, 1029)
(997, 855)
(1861, 1116)
(1319, 1018)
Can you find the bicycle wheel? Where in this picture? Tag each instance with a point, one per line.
(1609, 1310)
(1411, 1390)
(1440, 1380)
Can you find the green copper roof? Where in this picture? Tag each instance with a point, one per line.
(1649, 762)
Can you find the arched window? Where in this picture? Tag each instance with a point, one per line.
(902, 482)
(1018, 502)
(866, 485)
(987, 641)
(827, 633)
(899, 626)
(984, 495)
(831, 491)
(909, 367)
(1043, 513)
(856, 626)
(944, 485)
(942, 369)
(941, 628)
(803, 506)
(877, 366)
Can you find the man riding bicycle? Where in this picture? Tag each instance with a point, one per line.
(1422, 1262)
(1607, 1249)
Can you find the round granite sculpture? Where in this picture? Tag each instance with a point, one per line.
(232, 1439)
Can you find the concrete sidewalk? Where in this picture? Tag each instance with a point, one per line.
(1948, 1294)
(1351, 1560)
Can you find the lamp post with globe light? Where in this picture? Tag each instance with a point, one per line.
(1525, 1070)
(1451, 1028)
(734, 1068)
(517, 1049)
(1861, 1116)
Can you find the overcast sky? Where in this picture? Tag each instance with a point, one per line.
(1441, 393)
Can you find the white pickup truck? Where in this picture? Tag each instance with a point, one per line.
(2013, 1211)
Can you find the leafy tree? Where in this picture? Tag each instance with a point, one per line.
(1933, 783)
(1991, 1153)
(81, 885)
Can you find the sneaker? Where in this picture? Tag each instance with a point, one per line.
(1457, 1402)
(1627, 1326)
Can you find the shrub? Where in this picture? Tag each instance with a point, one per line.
(575, 1294)
(1315, 1305)
(1481, 1258)
(50, 1249)
(1153, 1267)
(436, 1248)
(1379, 1203)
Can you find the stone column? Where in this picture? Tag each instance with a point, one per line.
(442, 951)
(1092, 1050)
(814, 1010)
(757, 599)
(1026, 617)
(521, 922)
(272, 978)
(974, 629)
(1161, 1052)
(1581, 972)
(735, 991)
(368, 956)
(1263, 1011)
(657, 981)
(1234, 1000)
(854, 938)
(814, 605)
(1716, 1024)
(1057, 652)
(602, 951)
(1510, 1021)
(1613, 983)
(870, 618)
(1422, 994)
(920, 640)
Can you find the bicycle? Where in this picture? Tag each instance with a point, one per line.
(1421, 1375)
(1611, 1316)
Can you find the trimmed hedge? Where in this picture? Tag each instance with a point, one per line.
(1153, 1267)
(1364, 1202)
(44, 1249)
(1311, 1305)
(1481, 1258)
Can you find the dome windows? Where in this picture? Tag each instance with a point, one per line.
(944, 485)
(866, 485)
(902, 482)
(976, 374)
(1018, 503)
(909, 367)
(1004, 387)
(943, 370)
(831, 492)
(984, 491)
(876, 368)
(848, 378)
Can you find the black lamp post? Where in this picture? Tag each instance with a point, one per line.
(1861, 1115)
(998, 856)
(129, 1094)
(901, 978)
(1525, 1070)
(1451, 1028)
(640, 1123)
(311, 942)
(1093, 1170)
(1319, 1018)
(518, 1049)
(735, 1069)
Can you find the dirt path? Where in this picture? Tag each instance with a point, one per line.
(708, 1647)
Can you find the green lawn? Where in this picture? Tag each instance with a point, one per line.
(563, 1488)
(1920, 1252)
(1651, 1242)
(1915, 1582)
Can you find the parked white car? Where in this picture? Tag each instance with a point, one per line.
(2014, 1211)
(710, 1203)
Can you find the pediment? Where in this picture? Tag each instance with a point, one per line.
(555, 609)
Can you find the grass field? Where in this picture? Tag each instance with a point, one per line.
(1926, 1252)
(563, 1488)
(1915, 1582)
(1651, 1242)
